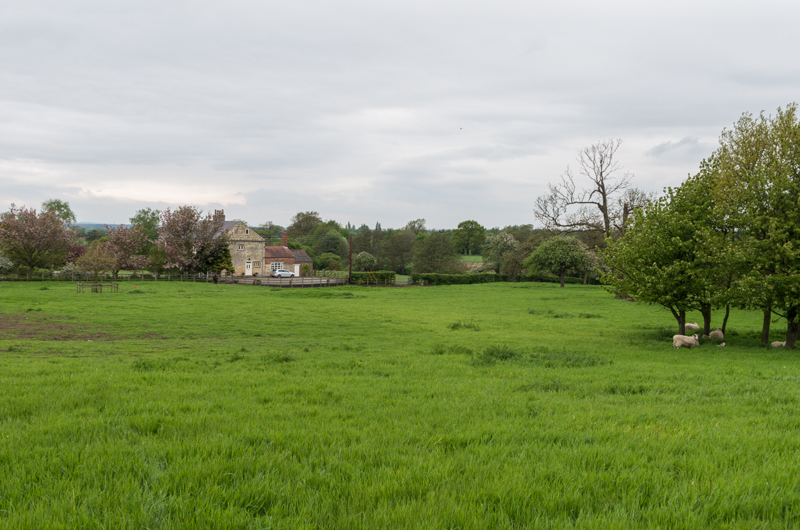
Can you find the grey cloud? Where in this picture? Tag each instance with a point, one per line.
(440, 110)
(683, 149)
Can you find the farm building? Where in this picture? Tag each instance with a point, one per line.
(282, 257)
(246, 246)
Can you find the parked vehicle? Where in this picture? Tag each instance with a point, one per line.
(282, 273)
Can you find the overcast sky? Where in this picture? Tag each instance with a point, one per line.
(370, 111)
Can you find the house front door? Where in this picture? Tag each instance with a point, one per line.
(248, 268)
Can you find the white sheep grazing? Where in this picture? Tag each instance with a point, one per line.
(691, 326)
(721, 344)
(683, 340)
(717, 334)
(778, 344)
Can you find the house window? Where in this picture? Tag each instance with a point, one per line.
(256, 264)
(275, 265)
(246, 231)
(241, 247)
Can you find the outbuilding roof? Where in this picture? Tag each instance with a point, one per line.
(301, 256)
(277, 253)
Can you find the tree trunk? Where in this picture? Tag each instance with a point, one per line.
(680, 316)
(586, 278)
(562, 278)
(791, 328)
(725, 320)
(765, 326)
(705, 310)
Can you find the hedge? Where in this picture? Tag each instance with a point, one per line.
(457, 279)
(461, 279)
(549, 278)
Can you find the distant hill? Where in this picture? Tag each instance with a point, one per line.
(95, 226)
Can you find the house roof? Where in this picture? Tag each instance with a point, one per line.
(277, 252)
(301, 256)
(228, 225)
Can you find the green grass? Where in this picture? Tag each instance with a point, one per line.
(481, 406)
(472, 258)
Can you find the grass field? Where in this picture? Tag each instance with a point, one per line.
(472, 258)
(180, 405)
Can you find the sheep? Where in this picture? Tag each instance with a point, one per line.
(683, 340)
(691, 326)
(779, 344)
(721, 344)
(717, 334)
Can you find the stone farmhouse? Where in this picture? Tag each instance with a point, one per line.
(251, 257)
(246, 246)
(282, 257)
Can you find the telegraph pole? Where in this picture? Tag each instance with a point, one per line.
(350, 274)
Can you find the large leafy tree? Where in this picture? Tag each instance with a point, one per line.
(331, 242)
(559, 255)
(270, 232)
(436, 253)
(416, 226)
(127, 244)
(304, 223)
(675, 254)
(469, 237)
(61, 209)
(759, 182)
(398, 249)
(31, 239)
(189, 238)
(147, 221)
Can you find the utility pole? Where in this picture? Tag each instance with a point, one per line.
(350, 274)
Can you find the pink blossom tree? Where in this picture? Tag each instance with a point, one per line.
(126, 244)
(189, 239)
(32, 239)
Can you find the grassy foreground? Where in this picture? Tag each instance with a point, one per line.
(179, 405)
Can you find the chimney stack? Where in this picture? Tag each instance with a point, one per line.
(284, 239)
(219, 215)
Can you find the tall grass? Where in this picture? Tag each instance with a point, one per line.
(480, 406)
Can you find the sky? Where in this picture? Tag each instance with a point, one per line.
(370, 111)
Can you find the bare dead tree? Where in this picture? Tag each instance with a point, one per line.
(627, 203)
(605, 202)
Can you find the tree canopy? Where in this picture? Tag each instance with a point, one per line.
(61, 209)
(436, 254)
(469, 237)
(727, 235)
(32, 239)
(559, 255)
(189, 239)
